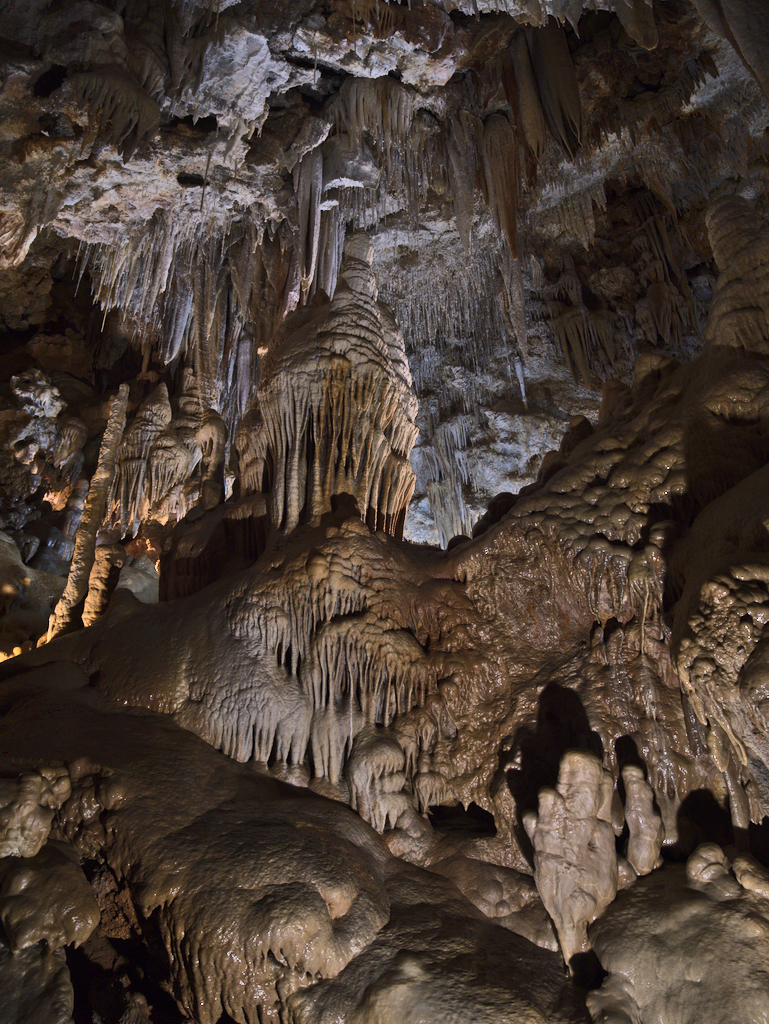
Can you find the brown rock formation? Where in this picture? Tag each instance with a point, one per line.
(327, 257)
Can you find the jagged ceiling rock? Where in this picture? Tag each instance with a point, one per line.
(236, 181)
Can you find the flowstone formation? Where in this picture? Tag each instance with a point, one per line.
(281, 287)
(535, 674)
(337, 409)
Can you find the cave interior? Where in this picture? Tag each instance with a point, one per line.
(384, 555)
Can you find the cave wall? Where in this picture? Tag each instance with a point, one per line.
(383, 565)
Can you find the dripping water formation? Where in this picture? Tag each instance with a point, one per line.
(384, 568)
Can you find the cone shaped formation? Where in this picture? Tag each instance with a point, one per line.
(338, 407)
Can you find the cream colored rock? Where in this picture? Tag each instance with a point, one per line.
(345, 424)
(432, 967)
(36, 395)
(252, 890)
(376, 776)
(27, 597)
(64, 616)
(107, 564)
(575, 864)
(141, 578)
(647, 832)
(46, 898)
(502, 894)
(700, 954)
(27, 807)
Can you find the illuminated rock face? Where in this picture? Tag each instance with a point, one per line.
(528, 673)
(331, 777)
(338, 408)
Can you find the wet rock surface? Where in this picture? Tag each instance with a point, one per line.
(265, 274)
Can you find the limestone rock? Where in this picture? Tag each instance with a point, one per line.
(46, 898)
(575, 864)
(707, 932)
(28, 806)
(35, 986)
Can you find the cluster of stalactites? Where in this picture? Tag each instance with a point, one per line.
(193, 281)
(169, 460)
(337, 409)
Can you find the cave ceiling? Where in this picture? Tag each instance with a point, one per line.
(384, 565)
(535, 189)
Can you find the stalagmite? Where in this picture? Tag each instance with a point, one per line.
(575, 865)
(646, 829)
(65, 615)
(105, 571)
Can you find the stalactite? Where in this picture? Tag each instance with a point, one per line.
(462, 146)
(130, 490)
(568, 324)
(68, 457)
(345, 422)
(330, 247)
(175, 455)
(407, 138)
(556, 84)
(500, 168)
(449, 476)
(132, 115)
(637, 19)
(530, 118)
(211, 438)
(193, 290)
(308, 185)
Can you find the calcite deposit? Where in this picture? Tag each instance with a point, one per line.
(384, 566)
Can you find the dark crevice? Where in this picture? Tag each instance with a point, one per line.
(49, 81)
(472, 821)
(190, 180)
